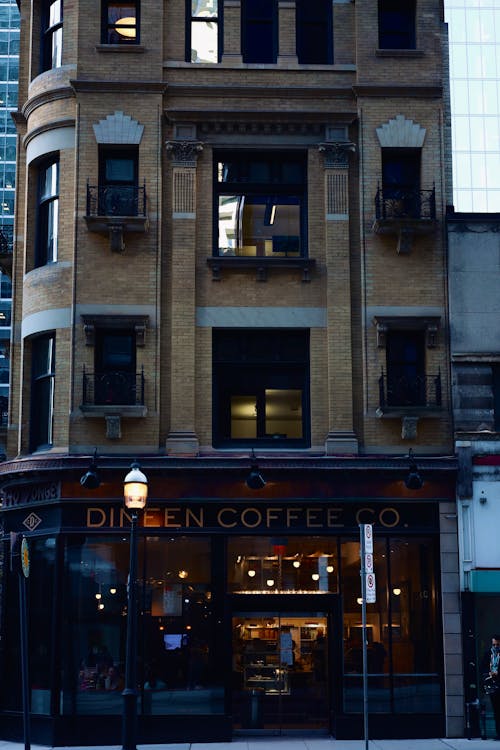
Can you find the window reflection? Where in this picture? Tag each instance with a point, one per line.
(204, 31)
(176, 645)
(277, 564)
(402, 651)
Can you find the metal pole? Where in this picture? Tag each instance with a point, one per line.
(130, 691)
(24, 660)
(365, 649)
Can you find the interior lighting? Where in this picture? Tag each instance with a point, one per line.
(128, 24)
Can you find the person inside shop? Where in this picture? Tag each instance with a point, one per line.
(319, 655)
(491, 677)
(113, 680)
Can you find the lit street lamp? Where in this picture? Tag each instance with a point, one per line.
(135, 495)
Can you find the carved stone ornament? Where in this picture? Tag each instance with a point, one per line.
(337, 154)
(184, 153)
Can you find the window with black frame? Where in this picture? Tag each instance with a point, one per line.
(396, 24)
(118, 181)
(48, 212)
(120, 22)
(115, 378)
(42, 391)
(52, 34)
(314, 23)
(259, 31)
(401, 182)
(261, 387)
(405, 356)
(203, 31)
(261, 204)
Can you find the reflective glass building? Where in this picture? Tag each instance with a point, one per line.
(474, 32)
(9, 72)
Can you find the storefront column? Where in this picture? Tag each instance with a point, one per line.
(182, 438)
(341, 437)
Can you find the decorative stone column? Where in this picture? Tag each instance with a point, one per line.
(341, 437)
(182, 438)
(232, 32)
(287, 51)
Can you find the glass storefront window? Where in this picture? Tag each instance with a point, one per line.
(175, 636)
(267, 565)
(41, 628)
(402, 637)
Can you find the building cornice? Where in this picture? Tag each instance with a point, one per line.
(130, 87)
(402, 91)
(46, 97)
(48, 127)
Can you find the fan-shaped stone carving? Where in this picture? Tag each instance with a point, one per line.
(401, 133)
(118, 128)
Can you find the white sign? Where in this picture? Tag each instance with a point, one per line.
(368, 537)
(368, 562)
(371, 594)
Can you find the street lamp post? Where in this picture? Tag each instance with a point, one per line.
(135, 495)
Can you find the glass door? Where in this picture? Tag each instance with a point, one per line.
(280, 672)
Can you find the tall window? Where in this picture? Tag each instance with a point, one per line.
(401, 181)
(115, 376)
(314, 32)
(203, 31)
(259, 31)
(118, 190)
(48, 212)
(396, 24)
(261, 383)
(42, 391)
(406, 384)
(120, 22)
(261, 204)
(52, 29)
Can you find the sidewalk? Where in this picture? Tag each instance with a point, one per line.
(303, 743)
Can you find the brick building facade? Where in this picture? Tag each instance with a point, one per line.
(230, 254)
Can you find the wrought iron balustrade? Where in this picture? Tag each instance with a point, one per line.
(116, 200)
(116, 388)
(422, 391)
(393, 203)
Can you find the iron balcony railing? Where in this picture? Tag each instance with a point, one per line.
(418, 391)
(117, 388)
(403, 203)
(116, 200)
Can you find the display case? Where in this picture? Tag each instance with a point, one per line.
(273, 679)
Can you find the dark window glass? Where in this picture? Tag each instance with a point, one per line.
(118, 181)
(48, 213)
(396, 24)
(406, 383)
(42, 391)
(402, 628)
(259, 31)
(261, 382)
(52, 29)
(203, 31)
(176, 645)
(115, 362)
(496, 395)
(314, 32)
(120, 22)
(261, 205)
(401, 181)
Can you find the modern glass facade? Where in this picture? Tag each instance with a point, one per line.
(474, 32)
(9, 73)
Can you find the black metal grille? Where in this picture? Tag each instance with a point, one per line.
(116, 388)
(420, 390)
(405, 204)
(116, 200)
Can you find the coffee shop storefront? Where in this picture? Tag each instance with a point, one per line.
(249, 606)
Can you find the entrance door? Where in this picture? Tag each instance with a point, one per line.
(280, 672)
